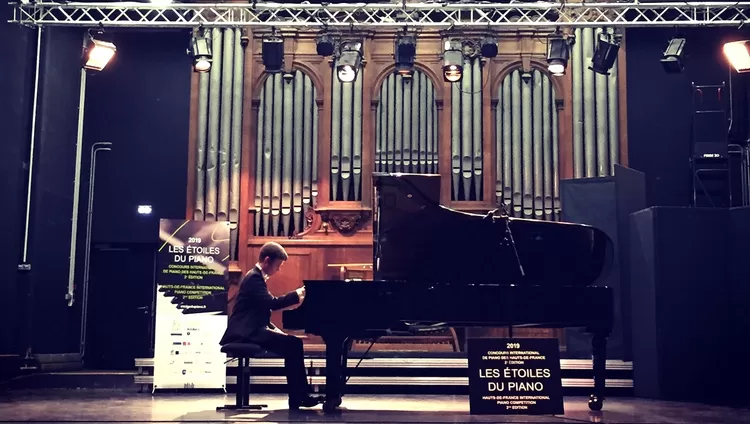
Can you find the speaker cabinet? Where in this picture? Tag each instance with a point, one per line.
(684, 317)
(606, 203)
(739, 267)
(591, 201)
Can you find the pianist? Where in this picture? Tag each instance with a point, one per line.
(250, 322)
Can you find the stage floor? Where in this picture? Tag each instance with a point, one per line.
(99, 405)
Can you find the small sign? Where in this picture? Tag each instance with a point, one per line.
(514, 376)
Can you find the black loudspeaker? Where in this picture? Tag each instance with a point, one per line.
(630, 189)
(739, 268)
(592, 201)
(606, 203)
(682, 308)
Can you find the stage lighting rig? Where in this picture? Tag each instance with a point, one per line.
(201, 52)
(673, 56)
(405, 52)
(97, 52)
(605, 54)
(349, 60)
(273, 53)
(488, 46)
(325, 44)
(453, 61)
(738, 55)
(558, 53)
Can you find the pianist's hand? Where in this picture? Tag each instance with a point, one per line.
(301, 294)
(276, 329)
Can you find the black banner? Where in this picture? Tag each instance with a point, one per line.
(192, 263)
(514, 376)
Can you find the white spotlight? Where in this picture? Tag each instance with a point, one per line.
(97, 53)
(738, 55)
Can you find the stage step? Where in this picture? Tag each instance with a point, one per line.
(73, 380)
(404, 375)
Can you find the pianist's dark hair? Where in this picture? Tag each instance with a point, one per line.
(272, 250)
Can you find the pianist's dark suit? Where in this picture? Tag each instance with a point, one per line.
(251, 322)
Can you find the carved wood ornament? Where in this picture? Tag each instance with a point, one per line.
(345, 221)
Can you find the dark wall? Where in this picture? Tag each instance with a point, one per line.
(660, 105)
(16, 83)
(54, 323)
(141, 104)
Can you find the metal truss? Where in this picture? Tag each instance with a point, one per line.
(384, 15)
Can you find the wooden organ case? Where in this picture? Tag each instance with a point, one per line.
(506, 133)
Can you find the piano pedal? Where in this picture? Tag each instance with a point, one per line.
(596, 403)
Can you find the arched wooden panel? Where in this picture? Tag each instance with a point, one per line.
(466, 134)
(346, 138)
(596, 134)
(406, 125)
(286, 168)
(527, 145)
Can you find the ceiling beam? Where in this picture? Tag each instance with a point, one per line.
(437, 16)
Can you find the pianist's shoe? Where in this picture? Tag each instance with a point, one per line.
(306, 402)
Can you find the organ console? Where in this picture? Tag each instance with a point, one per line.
(434, 266)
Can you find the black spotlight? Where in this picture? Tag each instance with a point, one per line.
(405, 51)
(673, 56)
(453, 61)
(558, 54)
(605, 55)
(273, 54)
(488, 47)
(324, 45)
(349, 61)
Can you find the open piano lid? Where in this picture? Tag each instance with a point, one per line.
(418, 240)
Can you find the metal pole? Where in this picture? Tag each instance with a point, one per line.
(31, 144)
(24, 266)
(95, 148)
(76, 192)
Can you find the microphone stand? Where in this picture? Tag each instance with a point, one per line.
(504, 215)
(506, 218)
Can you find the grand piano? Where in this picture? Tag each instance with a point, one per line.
(435, 266)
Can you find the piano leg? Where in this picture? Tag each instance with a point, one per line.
(344, 359)
(335, 375)
(599, 348)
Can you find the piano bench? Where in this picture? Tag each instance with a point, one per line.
(242, 352)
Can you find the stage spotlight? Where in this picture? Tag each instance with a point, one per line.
(273, 53)
(453, 61)
(97, 53)
(324, 45)
(349, 61)
(145, 209)
(672, 60)
(488, 47)
(201, 51)
(738, 55)
(405, 52)
(558, 54)
(605, 55)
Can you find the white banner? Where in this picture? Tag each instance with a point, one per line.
(191, 305)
